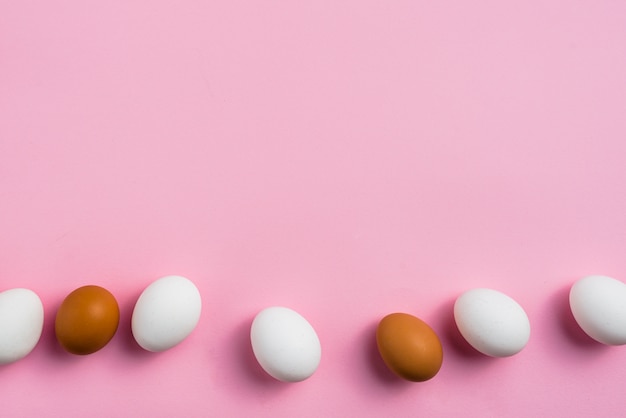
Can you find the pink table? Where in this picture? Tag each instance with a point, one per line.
(345, 159)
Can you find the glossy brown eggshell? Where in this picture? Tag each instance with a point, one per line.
(409, 347)
(87, 320)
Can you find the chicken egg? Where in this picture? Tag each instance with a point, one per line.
(492, 322)
(21, 323)
(285, 344)
(598, 304)
(87, 320)
(166, 312)
(409, 347)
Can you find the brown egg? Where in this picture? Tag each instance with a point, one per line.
(87, 320)
(409, 347)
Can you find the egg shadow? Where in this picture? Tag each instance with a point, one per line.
(47, 343)
(124, 335)
(452, 337)
(567, 324)
(6, 366)
(246, 362)
(49, 340)
(375, 364)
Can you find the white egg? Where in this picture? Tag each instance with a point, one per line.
(598, 304)
(21, 323)
(285, 344)
(492, 322)
(166, 312)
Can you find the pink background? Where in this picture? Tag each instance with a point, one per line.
(345, 159)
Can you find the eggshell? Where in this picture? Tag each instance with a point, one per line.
(21, 323)
(285, 344)
(166, 312)
(492, 322)
(598, 304)
(409, 347)
(87, 320)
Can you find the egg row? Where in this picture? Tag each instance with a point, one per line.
(284, 343)
(166, 312)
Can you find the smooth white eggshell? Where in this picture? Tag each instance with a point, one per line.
(285, 344)
(598, 304)
(492, 322)
(21, 323)
(166, 312)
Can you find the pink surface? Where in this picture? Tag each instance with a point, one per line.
(345, 159)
